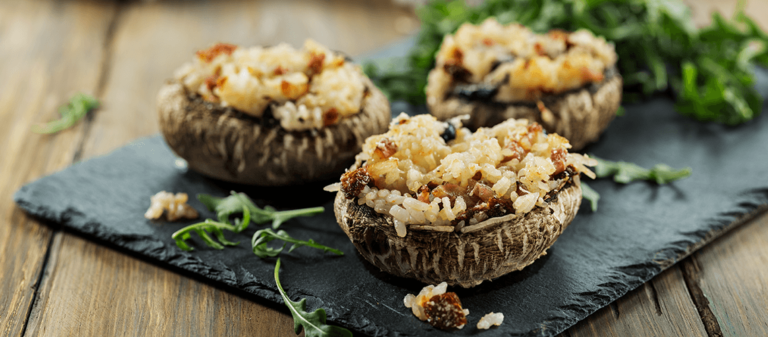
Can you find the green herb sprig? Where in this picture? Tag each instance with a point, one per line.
(590, 195)
(262, 236)
(75, 110)
(625, 173)
(659, 49)
(312, 322)
(238, 203)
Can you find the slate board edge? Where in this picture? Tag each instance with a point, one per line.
(752, 203)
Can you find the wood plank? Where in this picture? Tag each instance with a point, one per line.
(660, 307)
(48, 51)
(732, 273)
(91, 290)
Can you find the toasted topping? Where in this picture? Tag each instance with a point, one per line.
(414, 175)
(441, 309)
(511, 63)
(308, 88)
(444, 311)
(175, 206)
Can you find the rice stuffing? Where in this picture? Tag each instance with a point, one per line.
(303, 89)
(427, 180)
(517, 63)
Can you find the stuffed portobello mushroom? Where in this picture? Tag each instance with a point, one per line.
(567, 82)
(433, 201)
(270, 116)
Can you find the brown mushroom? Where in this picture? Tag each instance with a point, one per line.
(226, 144)
(466, 257)
(579, 115)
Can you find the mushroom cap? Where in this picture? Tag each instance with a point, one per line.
(579, 115)
(225, 144)
(468, 257)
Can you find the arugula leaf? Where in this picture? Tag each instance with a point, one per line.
(589, 194)
(624, 172)
(262, 236)
(202, 229)
(240, 203)
(709, 70)
(75, 110)
(314, 322)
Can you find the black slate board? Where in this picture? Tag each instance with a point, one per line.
(639, 229)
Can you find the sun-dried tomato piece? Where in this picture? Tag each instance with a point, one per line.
(385, 148)
(482, 191)
(316, 63)
(423, 195)
(352, 182)
(518, 152)
(330, 117)
(209, 54)
(211, 82)
(445, 312)
(558, 158)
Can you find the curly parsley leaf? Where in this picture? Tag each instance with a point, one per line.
(659, 49)
(624, 172)
(75, 110)
(312, 322)
(263, 236)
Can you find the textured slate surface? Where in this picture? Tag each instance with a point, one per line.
(639, 229)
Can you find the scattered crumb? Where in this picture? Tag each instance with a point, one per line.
(175, 205)
(441, 309)
(490, 319)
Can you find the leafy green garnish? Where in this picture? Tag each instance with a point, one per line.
(591, 195)
(238, 203)
(624, 172)
(75, 110)
(262, 236)
(659, 49)
(312, 322)
(202, 229)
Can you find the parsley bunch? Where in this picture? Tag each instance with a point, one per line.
(709, 71)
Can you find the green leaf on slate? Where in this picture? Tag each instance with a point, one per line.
(313, 323)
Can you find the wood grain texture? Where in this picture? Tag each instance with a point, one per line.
(90, 290)
(47, 52)
(732, 274)
(660, 307)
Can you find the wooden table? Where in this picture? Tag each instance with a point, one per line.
(56, 283)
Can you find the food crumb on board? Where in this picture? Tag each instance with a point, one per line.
(439, 308)
(490, 320)
(175, 205)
